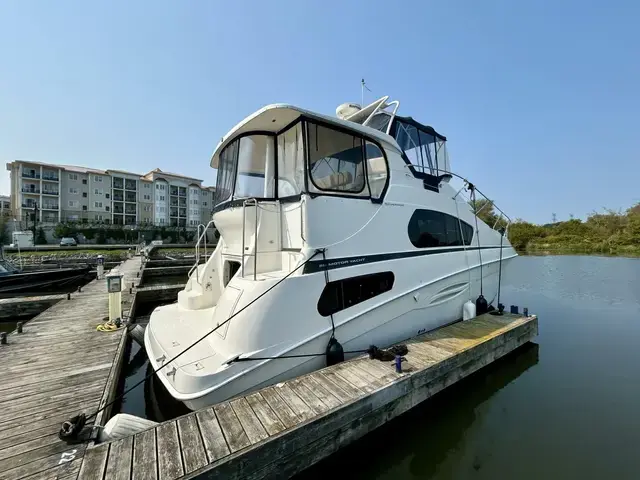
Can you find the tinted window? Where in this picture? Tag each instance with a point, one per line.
(348, 292)
(428, 228)
(336, 160)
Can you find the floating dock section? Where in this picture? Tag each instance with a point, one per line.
(279, 431)
(58, 367)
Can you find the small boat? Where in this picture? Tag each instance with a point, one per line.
(17, 282)
(345, 228)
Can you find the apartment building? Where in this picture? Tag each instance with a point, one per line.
(5, 206)
(80, 194)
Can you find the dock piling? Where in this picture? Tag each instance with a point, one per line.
(3, 338)
(19, 327)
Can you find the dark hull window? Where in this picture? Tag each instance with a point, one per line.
(428, 228)
(345, 293)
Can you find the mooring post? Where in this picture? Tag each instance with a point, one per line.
(19, 327)
(68, 296)
(79, 288)
(3, 338)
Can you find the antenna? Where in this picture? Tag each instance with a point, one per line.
(363, 86)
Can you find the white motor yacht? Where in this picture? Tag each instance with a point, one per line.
(347, 227)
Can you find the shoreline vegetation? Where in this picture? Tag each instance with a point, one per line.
(608, 233)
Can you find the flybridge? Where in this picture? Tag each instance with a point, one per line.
(424, 149)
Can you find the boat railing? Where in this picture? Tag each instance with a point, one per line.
(502, 217)
(202, 240)
(250, 202)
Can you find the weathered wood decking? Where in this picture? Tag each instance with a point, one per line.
(58, 367)
(280, 430)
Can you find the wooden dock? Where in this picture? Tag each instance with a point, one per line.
(58, 367)
(280, 430)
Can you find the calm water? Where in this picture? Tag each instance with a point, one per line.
(567, 406)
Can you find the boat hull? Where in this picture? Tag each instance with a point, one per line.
(415, 312)
(37, 282)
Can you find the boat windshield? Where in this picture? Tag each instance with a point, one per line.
(424, 148)
(266, 166)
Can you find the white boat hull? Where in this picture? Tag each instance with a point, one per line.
(415, 312)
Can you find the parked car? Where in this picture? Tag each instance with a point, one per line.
(68, 242)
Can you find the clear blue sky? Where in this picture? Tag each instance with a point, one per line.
(540, 100)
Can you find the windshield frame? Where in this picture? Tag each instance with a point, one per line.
(304, 121)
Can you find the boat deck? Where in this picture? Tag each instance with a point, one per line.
(280, 430)
(58, 367)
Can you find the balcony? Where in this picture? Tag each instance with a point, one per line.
(183, 212)
(119, 210)
(29, 205)
(130, 185)
(46, 191)
(32, 190)
(182, 192)
(173, 203)
(118, 183)
(130, 211)
(50, 219)
(173, 212)
(30, 174)
(182, 202)
(130, 197)
(130, 220)
(173, 191)
(50, 176)
(49, 206)
(118, 197)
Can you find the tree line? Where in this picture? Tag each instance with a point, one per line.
(609, 232)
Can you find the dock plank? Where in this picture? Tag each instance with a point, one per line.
(119, 460)
(169, 458)
(235, 435)
(249, 421)
(144, 456)
(265, 414)
(214, 443)
(191, 445)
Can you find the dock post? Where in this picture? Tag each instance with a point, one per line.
(3, 338)
(19, 327)
(100, 274)
(68, 296)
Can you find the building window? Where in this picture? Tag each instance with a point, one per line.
(84, 194)
(99, 217)
(97, 204)
(97, 178)
(162, 198)
(73, 191)
(84, 181)
(98, 191)
(74, 203)
(204, 204)
(73, 176)
(428, 228)
(336, 160)
(342, 294)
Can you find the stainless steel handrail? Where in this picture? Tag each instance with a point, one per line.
(250, 202)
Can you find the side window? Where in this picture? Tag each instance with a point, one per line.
(291, 162)
(336, 161)
(342, 294)
(376, 169)
(428, 228)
